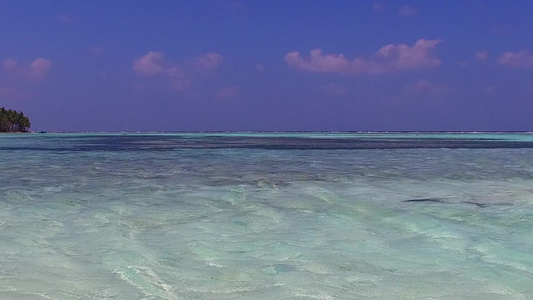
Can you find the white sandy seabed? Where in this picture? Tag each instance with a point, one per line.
(263, 223)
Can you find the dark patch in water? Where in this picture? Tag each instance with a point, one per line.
(441, 201)
(432, 200)
(172, 143)
(480, 205)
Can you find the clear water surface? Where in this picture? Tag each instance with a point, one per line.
(266, 216)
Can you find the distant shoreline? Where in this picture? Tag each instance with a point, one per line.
(14, 132)
(278, 132)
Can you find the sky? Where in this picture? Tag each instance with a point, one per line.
(276, 65)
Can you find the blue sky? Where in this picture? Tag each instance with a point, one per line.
(268, 65)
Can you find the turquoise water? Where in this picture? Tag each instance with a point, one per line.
(266, 216)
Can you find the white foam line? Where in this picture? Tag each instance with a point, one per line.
(149, 276)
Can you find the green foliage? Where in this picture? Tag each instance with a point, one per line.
(13, 121)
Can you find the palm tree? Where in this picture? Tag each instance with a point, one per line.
(13, 121)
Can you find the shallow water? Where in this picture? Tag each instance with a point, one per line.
(266, 216)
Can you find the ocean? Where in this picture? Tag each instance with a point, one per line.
(266, 216)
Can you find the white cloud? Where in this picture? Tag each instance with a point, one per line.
(39, 68)
(482, 55)
(227, 93)
(207, 62)
(426, 87)
(388, 59)
(180, 77)
(10, 64)
(9, 93)
(35, 70)
(407, 11)
(149, 64)
(379, 7)
(522, 59)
